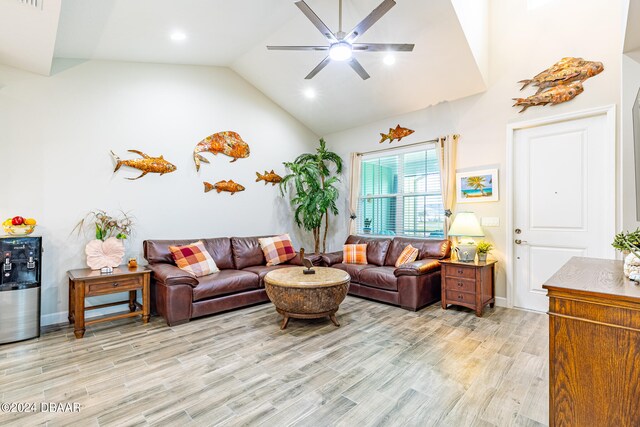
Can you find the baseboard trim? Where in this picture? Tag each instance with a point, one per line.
(62, 316)
(501, 302)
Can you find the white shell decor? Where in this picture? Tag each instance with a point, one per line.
(104, 254)
(631, 265)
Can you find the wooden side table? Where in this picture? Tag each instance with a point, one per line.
(469, 284)
(90, 283)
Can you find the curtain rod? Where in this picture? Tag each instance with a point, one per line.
(398, 147)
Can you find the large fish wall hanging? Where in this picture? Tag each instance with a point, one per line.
(227, 186)
(146, 164)
(268, 177)
(559, 83)
(398, 133)
(228, 143)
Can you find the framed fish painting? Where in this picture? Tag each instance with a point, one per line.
(477, 186)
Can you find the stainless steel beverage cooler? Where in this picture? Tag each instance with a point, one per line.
(20, 288)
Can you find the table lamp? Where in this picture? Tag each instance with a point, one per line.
(466, 226)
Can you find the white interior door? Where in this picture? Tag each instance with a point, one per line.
(564, 201)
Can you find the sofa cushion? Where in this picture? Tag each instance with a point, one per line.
(409, 254)
(225, 282)
(277, 249)
(379, 277)
(156, 251)
(247, 252)
(377, 247)
(438, 249)
(353, 269)
(194, 259)
(262, 270)
(354, 254)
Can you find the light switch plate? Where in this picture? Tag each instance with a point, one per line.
(490, 221)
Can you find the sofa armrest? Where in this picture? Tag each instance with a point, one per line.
(172, 275)
(332, 258)
(418, 268)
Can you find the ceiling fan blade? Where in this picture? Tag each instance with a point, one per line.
(298, 47)
(359, 69)
(371, 19)
(315, 20)
(384, 47)
(318, 68)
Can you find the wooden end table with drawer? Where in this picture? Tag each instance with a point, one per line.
(469, 284)
(91, 283)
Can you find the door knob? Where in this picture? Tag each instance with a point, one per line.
(519, 242)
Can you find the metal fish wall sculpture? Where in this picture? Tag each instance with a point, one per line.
(557, 84)
(228, 143)
(146, 164)
(397, 133)
(555, 95)
(228, 186)
(267, 177)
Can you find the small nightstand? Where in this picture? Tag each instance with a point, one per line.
(469, 284)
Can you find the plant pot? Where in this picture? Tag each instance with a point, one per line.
(482, 257)
(366, 230)
(104, 254)
(631, 265)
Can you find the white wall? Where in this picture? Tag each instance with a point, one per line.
(522, 43)
(57, 133)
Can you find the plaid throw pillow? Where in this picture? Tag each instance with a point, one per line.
(409, 254)
(355, 254)
(194, 259)
(277, 249)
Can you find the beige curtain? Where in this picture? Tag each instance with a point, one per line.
(447, 146)
(354, 191)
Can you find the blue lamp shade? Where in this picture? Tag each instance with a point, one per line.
(466, 224)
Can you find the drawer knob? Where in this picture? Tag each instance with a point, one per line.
(459, 271)
(460, 284)
(115, 285)
(459, 296)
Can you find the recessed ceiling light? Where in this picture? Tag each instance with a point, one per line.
(178, 36)
(389, 59)
(309, 93)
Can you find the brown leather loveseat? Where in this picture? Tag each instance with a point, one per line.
(179, 297)
(411, 286)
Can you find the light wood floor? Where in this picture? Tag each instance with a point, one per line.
(384, 366)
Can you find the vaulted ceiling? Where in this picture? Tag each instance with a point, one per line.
(448, 62)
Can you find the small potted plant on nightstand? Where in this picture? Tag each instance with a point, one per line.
(484, 248)
(629, 244)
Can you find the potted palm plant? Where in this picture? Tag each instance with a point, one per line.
(313, 191)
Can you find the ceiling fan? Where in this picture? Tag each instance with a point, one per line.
(341, 45)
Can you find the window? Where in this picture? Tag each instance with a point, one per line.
(400, 194)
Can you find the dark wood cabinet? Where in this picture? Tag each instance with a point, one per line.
(594, 345)
(469, 284)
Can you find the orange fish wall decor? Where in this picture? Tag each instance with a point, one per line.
(146, 164)
(397, 133)
(228, 143)
(268, 177)
(559, 83)
(227, 186)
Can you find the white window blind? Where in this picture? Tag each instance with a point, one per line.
(400, 194)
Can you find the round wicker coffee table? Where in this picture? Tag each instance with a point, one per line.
(307, 296)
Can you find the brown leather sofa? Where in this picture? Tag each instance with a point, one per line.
(179, 297)
(411, 286)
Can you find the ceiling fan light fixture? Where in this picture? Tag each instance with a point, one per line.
(340, 51)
